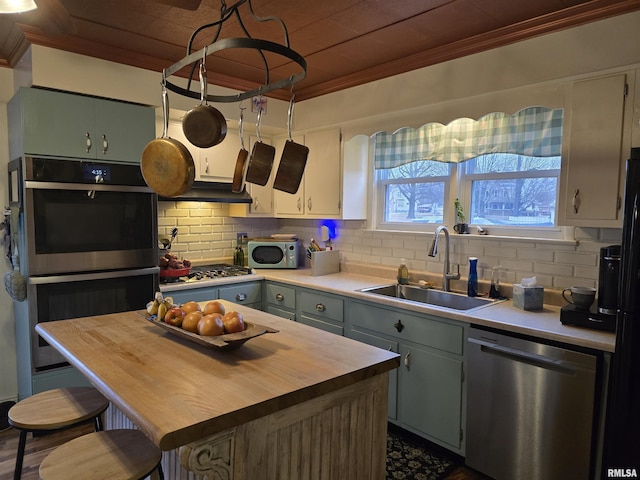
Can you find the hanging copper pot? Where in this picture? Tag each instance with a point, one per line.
(292, 162)
(261, 161)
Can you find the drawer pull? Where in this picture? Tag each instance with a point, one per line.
(399, 326)
(105, 144)
(279, 297)
(87, 137)
(320, 307)
(406, 361)
(241, 297)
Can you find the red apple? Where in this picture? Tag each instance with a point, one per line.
(233, 322)
(174, 316)
(211, 325)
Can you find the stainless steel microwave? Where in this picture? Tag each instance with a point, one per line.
(270, 253)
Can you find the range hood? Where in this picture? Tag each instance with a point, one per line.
(211, 192)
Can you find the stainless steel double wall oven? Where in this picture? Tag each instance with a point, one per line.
(88, 242)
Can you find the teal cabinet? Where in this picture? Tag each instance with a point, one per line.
(248, 294)
(391, 346)
(280, 300)
(430, 379)
(321, 310)
(194, 294)
(60, 124)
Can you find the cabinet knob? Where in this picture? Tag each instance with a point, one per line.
(399, 326)
(279, 297)
(299, 204)
(105, 144)
(255, 204)
(87, 137)
(241, 297)
(320, 307)
(206, 166)
(309, 203)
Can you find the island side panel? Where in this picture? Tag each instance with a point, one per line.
(338, 435)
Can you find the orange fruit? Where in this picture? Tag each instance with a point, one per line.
(191, 307)
(190, 321)
(214, 307)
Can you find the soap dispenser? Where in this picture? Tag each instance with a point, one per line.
(472, 284)
(403, 273)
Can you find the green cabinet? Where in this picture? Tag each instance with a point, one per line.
(280, 300)
(60, 124)
(321, 310)
(430, 380)
(248, 294)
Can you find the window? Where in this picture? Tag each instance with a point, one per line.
(511, 190)
(504, 168)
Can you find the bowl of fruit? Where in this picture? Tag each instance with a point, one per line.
(171, 266)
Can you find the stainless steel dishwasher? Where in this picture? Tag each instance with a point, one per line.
(530, 408)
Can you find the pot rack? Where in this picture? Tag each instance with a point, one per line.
(192, 58)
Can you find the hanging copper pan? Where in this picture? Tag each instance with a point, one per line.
(204, 126)
(166, 164)
(292, 162)
(261, 161)
(237, 186)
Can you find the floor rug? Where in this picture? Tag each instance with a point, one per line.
(410, 457)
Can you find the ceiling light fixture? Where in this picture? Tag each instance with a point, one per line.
(248, 42)
(17, 6)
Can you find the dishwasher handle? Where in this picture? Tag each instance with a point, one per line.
(524, 357)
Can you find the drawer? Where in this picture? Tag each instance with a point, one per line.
(195, 294)
(326, 326)
(422, 329)
(321, 306)
(280, 295)
(243, 293)
(280, 312)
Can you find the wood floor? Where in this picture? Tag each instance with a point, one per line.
(38, 448)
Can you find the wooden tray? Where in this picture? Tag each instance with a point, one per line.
(229, 341)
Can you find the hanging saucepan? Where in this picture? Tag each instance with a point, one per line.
(166, 164)
(292, 162)
(237, 186)
(204, 126)
(261, 160)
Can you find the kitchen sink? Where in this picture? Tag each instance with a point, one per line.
(429, 296)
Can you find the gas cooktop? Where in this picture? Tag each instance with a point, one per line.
(210, 272)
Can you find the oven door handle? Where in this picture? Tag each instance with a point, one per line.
(82, 277)
(87, 187)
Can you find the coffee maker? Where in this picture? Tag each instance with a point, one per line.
(601, 316)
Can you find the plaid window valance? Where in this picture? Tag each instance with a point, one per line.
(533, 131)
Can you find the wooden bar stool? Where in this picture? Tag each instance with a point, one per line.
(52, 410)
(110, 455)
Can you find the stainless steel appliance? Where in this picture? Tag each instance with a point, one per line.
(85, 216)
(209, 272)
(88, 242)
(273, 253)
(531, 409)
(621, 447)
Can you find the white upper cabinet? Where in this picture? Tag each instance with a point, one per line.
(597, 142)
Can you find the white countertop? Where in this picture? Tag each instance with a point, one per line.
(544, 324)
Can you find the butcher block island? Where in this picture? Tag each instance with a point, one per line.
(297, 404)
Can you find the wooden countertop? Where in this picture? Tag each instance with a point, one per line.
(178, 392)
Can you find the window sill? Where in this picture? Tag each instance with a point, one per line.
(488, 237)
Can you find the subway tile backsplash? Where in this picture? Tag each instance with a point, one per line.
(205, 232)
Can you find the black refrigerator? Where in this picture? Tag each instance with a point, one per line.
(622, 432)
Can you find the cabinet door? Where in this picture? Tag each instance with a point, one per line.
(122, 130)
(56, 123)
(391, 346)
(288, 204)
(218, 163)
(247, 294)
(322, 186)
(593, 163)
(430, 394)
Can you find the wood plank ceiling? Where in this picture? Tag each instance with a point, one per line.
(344, 42)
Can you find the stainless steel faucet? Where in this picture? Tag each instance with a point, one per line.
(446, 275)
